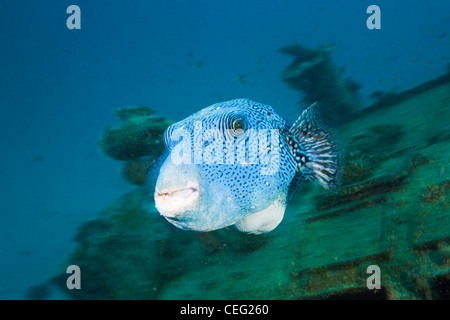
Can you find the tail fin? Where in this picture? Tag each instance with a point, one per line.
(316, 150)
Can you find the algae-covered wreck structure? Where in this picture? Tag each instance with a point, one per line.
(393, 212)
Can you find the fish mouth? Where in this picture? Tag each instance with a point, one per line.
(171, 202)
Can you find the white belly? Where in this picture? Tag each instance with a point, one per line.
(265, 220)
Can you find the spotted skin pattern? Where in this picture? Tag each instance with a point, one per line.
(234, 186)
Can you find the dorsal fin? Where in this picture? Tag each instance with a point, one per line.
(316, 149)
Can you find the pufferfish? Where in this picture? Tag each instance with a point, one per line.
(237, 164)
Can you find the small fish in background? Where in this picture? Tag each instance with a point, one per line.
(237, 163)
(37, 158)
(198, 64)
(51, 214)
(241, 78)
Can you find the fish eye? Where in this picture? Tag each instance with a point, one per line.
(234, 125)
(239, 125)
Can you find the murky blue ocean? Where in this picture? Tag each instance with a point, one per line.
(59, 88)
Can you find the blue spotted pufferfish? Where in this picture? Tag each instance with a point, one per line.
(207, 182)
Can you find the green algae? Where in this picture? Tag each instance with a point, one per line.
(138, 135)
(137, 140)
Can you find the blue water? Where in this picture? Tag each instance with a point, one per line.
(58, 88)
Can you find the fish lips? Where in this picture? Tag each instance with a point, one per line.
(173, 202)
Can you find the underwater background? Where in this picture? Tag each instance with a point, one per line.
(59, 90)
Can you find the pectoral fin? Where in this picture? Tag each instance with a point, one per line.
(316, 150)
